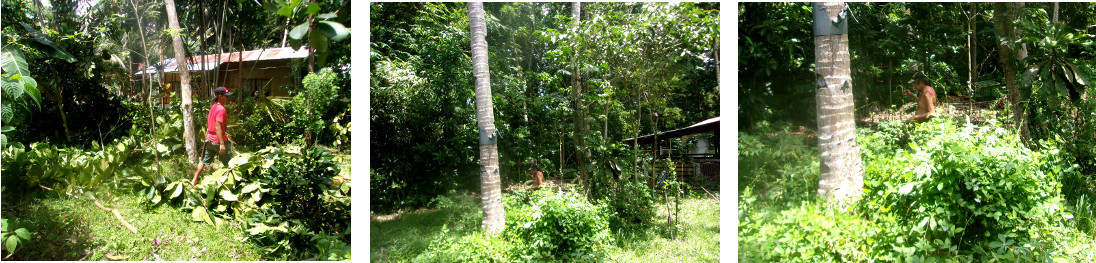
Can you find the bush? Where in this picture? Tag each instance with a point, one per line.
(315, 100)
(963, 190)
(558, 227)
(633, 205)
(300, 204)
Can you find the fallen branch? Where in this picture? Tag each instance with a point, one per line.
(710, 193)
(119, 216)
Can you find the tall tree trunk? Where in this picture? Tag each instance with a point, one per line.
(1004, 16)
(842, 173)
(578, 113)
(1055, 20)
(184, 83)
(494, 216)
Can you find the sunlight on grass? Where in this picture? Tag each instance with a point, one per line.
(69, 229)
(403, 236)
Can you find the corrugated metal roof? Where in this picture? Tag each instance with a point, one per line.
(211, 61)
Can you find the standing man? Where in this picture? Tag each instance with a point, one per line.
(926, 102)
(216, 134)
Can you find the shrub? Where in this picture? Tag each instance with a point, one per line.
(315, 100)
(558, 227)
(962, 190)
(631, 205)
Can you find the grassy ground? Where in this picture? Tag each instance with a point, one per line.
(68, 229)
(402, 236)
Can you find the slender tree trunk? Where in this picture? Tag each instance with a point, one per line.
(494, 216)
(578, 113)
(184, 86)
(1006, 26)
(841, 180)
(1055, 13)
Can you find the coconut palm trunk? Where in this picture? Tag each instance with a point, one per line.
(494, 217)
(184, 80)
(842, 173)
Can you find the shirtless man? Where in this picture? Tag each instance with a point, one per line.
(538, 178)
(926, 102)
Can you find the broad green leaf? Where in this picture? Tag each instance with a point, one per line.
(42, 43)
(12, 243)
(249, 188)
(287, 11)
(199, 214)
(299, 31)
(178, 190)
(156, 198)
(6, 112)
(13, 61)
(333, 30)
(327, 15)
(905, 189)
(312, 9)
(319, 42)
(13, 86)
(228, 196)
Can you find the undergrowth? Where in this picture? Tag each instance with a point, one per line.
(936, 191)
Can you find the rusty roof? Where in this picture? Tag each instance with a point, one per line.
(212, 61)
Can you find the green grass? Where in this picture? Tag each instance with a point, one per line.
(69, 229)
(697, 240)
(400, 237)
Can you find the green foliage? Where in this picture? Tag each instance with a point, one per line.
(68, 170)
(300, 200)
(14, 238)
(265, 122)
(947, 192)
(313, 103)
(476, 247)
(778, 167)
(320, 29)
(558, 226)
(809, 232)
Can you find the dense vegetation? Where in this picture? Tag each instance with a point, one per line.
(90, 147)
(569, 83)
(976, 183)
(640, 68)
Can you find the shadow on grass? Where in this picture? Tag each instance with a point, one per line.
(57, 235)
(404, 235)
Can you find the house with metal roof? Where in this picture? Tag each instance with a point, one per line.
(698, 159)
(262, 72)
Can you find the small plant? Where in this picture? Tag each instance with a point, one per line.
(13, 238)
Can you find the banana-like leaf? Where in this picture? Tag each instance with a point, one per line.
(42, 43)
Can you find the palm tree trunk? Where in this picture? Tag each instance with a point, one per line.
(842, 173)
(494, 216)
(184, 81)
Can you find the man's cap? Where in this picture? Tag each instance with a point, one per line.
(221, 91)
(919, 76)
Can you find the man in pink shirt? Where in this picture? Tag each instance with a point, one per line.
(216, 132)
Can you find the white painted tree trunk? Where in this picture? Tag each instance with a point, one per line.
(841, 179)
(494, 215)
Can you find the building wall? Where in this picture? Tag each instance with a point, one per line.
(273, 74)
